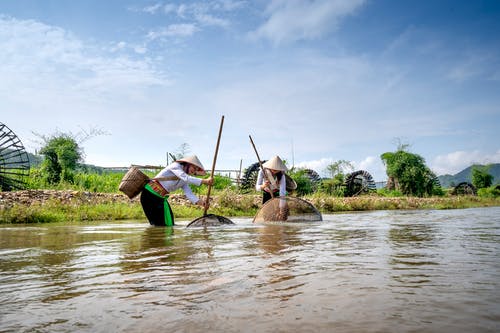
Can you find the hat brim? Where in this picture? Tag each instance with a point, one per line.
(199, 171)
(193, 160)
(275, 163)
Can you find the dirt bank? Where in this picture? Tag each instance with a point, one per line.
(30, 197)
(247, 201)
(66, 197)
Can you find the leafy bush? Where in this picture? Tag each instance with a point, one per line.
(332, 187)
(489, 192)
(409, 174)
(304, 184)
(480, 177)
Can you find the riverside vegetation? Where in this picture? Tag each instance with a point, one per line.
(95, 196)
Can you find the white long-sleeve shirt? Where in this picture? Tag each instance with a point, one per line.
(260, 181)
(183, 181)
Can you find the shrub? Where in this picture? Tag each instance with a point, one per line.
(489, 192)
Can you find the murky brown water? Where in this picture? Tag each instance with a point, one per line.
(406, 271)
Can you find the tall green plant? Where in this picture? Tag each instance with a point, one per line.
(62, 155)
(304, 183)
(481, 177)
(339, 168)
(333, 186)
(409, 174)
(62, 152)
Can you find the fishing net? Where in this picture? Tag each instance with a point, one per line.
(209, 220)
(289, 209)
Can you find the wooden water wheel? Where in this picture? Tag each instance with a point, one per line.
(14, 161)
(251, 173)
(464, 188)
(250, 176)
(314, 178)
(359, 182)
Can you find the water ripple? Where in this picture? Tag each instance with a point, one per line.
(371, 272)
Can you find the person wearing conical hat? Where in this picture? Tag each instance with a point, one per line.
(179, 174)
(275, 181)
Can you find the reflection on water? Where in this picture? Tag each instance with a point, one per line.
(430, 271)
(413, 248)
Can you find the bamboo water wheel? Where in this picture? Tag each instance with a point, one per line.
(314, 178)
(359, 182)
(14, 161)
(251, 173)
(250, 176)
(464, 188)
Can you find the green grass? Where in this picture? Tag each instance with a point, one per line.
(328, 204)
(227, 203)
(55, 211)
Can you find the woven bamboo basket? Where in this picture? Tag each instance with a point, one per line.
(133, 182)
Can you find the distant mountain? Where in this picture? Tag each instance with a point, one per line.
(466, 176)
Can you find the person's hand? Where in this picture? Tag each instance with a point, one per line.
(201, 202)
(265, 186)
(208, 181)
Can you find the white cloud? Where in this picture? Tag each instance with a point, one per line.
(455, 162)
(317, 165)
(339, 104)
(49, 79)
(153, 9)
(474, 65)
(195, 14)
(374, 166)
(169, 8)
(174, 30)
(229, 5)
(39, 57)
(210, 20)
(303, 19)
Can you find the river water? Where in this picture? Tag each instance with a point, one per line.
(384, 271)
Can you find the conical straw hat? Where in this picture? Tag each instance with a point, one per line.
(275, 163)
(192, 160)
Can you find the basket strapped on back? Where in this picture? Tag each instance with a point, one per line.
(134, 181)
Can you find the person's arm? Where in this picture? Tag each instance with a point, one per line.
(283, 204)
(179, 172)
(189, 194)
(283, 185)
(260, 179)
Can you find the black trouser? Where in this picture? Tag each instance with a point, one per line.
(266, 196)
(154, 207)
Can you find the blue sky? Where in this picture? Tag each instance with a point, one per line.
(312, 81)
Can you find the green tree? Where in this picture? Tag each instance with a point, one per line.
(304, 183)
(339, 168)
(337, 172)
(62, 154)
(408, 173)
(481, 177)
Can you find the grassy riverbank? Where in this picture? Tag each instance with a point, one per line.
(61, 206)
